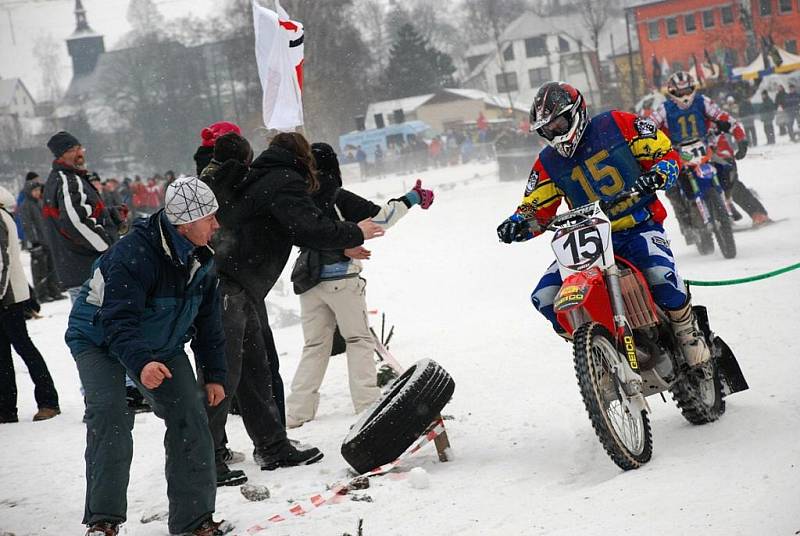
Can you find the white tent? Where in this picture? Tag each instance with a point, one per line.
(757, 69)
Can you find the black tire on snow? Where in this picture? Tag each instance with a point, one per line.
(705, 242)
(584, 340)
(723, 230)
(689, 399)
(392, 424)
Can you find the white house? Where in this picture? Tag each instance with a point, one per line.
(535, 49)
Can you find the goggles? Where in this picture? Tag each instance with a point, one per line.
(682, 91)
(557, 127)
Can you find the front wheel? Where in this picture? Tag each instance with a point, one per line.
(723, 230)
(625, 436)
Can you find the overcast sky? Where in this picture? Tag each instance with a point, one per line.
(56, 17)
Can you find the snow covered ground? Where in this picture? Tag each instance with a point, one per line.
(526, 458)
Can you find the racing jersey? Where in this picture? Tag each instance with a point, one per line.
(692, 123)
(615, 149)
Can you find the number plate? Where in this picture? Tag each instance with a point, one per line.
(584, 243)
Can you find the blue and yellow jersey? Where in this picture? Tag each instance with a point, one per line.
(616, 148)
(693, 122)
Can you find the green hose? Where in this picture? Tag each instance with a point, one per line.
(742, 280)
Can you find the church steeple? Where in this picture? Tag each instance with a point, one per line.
(81, 25)
(84, 45)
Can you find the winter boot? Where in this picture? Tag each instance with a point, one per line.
(104, 528)
(209, 527)
(287, 456)
(225, 475)
(136, 401)
(691, 340)
(759, 219)
(46, 413)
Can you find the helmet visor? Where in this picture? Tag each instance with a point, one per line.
(557, 127)
(682, 91)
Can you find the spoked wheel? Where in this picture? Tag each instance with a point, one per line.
(626, 436)
(699, 394)
(723, 230)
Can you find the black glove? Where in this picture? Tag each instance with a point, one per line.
(742, 150)
(514, 229)
(723, 126)
(649, 183)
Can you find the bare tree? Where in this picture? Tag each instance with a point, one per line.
(595, 15)
(46, 52)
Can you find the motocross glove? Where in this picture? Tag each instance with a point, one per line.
(742, 150)
(514, 229)
(649, 182)
(723, 126)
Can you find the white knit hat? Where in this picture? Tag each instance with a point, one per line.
(188, 199)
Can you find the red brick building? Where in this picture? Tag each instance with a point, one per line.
(676, 29)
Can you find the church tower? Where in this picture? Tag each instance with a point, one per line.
(84, 45)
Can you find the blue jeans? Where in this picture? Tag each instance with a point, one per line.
(645, 246)
(190, 470)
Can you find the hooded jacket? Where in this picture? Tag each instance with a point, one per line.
(148, 296)
(264, 213)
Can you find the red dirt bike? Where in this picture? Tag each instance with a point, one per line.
(624, 347)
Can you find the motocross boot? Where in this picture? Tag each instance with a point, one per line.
(689, 337)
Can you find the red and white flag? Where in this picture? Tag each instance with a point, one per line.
(279, 55)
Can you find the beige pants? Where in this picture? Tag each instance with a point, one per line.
(330, 303)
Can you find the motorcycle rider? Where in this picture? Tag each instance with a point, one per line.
(595, 159)
(687, 115)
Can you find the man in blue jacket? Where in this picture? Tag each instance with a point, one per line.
(147, 296)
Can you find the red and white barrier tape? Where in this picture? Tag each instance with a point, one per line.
(300, 508)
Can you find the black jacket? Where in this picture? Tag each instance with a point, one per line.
(264, 213)
(31, 215)
(353, 208)
(76, 222)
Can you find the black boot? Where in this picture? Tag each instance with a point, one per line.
(287, 456)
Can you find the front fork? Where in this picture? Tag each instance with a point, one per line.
(627, 374)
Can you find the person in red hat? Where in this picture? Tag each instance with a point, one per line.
(208, 136)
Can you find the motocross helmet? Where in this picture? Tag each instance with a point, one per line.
(681, 89)
(558, 114)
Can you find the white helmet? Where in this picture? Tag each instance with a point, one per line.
(681, 89)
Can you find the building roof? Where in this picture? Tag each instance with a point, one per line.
(410, 104)
(387, 107)
(8, 87)
(530, 24)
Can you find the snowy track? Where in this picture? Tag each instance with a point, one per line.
(527, 460)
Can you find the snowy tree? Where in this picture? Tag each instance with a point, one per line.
(145, 18)
(46, 52)
(415, 67)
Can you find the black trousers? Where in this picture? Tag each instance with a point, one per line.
(741, 195)
(252, 368)
(45, 280)
(13, 332)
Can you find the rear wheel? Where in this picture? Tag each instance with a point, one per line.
(625, 436)
(699, 392)
(723, 230)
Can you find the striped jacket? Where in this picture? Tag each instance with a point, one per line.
(75, 219)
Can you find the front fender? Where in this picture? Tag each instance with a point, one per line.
(583, 297)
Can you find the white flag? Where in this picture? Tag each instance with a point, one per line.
(279, 55)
